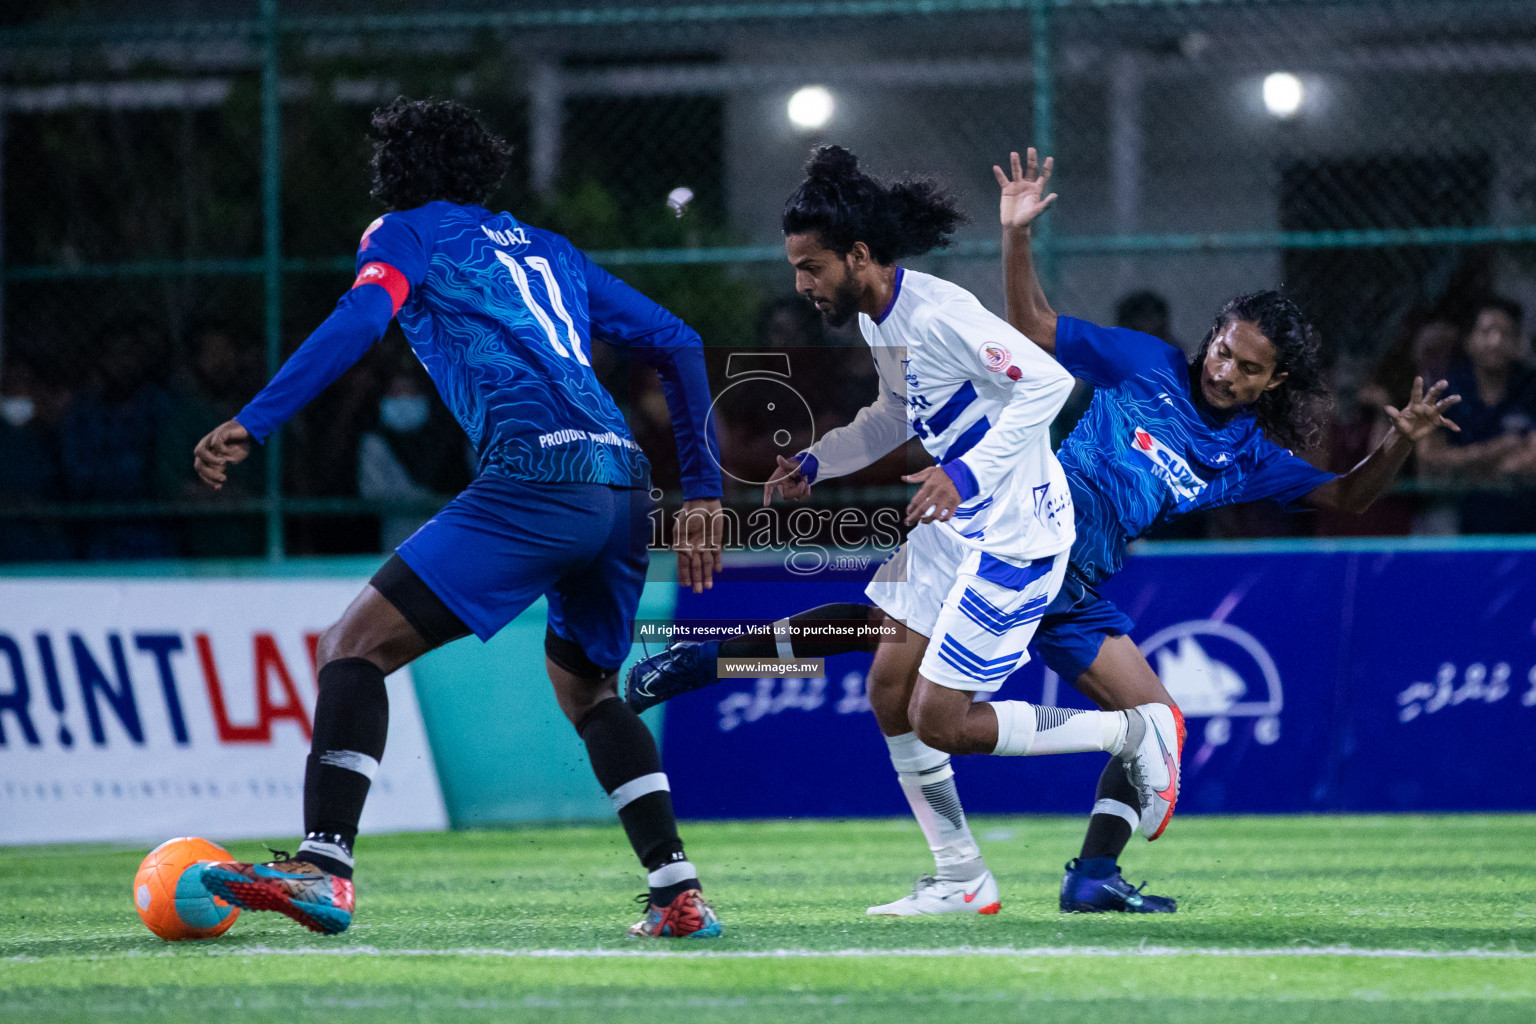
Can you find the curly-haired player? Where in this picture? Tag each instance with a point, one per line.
(1162, 437)
(502, 315)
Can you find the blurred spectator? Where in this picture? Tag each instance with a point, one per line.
(108, 441)
(1357, 427)
(1147, 312)
(30, 469)
(1436, 348)
(835, 375)
(1495, 451)
(831, 372)
(1427, 348)
(321, 455)
(416, 451)
(221, 374)
(789, 321)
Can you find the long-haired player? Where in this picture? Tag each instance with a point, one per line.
(1163, 437)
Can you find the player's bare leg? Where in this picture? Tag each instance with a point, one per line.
(961, 882)
(1118, 679)
(1144, 738)
(370, 640)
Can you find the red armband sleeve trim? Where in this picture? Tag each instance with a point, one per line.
(388, 278)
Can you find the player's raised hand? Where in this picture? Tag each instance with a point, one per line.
(789, 482)
(225, 444)
(697, 538)
(1424, 411)
(1024, 197)
(936, 499)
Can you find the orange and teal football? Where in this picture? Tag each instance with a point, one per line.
(169, 895)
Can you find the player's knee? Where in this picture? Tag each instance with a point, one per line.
(939, 734)
(571, 657)
(338, 642)
(936, 727)
(886, 690)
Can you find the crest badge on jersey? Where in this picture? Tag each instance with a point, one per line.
(995, 357)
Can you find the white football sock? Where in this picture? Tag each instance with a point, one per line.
(928, 782)
(1023, 728)
(671, 874)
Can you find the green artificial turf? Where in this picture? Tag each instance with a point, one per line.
(510, 926)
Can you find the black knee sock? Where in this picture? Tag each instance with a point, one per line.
(351, 722)
(761, 642)
(1109, 832)
(628, 767)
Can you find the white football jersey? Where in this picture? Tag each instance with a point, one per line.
(974, 389)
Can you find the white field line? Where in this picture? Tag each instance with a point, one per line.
(1059, 952)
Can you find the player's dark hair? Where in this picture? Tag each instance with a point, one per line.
(1293, 414)
(430, 150)
(843, 205)
(1509, 307)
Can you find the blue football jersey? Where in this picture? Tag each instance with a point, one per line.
(1145, 452)
(501, 315)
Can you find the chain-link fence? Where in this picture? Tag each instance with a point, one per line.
(181, 200)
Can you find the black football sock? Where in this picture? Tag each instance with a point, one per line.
(819, 633)
(351, 722)
(628, 767)
(1116, 812)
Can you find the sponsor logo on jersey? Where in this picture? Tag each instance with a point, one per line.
(996, 357)
(1049, 507)
(516, 236)
(1168, 465)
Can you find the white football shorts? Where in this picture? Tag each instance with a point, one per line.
(978, 610)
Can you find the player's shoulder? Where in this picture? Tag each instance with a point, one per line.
(934, 302)
(929, 292)
(522, 232)
(420, 221)
(1123, 344)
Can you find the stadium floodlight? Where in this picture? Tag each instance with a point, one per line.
(810, 108)
(1283, 93)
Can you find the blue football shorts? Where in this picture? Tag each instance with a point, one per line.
(1075, 625)
(501, 544)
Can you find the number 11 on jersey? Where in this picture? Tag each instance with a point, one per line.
(542, 267)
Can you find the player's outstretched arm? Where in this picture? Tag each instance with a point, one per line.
(358, 321)
(1022, 201)
(791, 482)
(225, 445)
(877, 430)
(1355, 491)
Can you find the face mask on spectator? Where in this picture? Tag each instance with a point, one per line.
(17, 410)
(404, 413)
